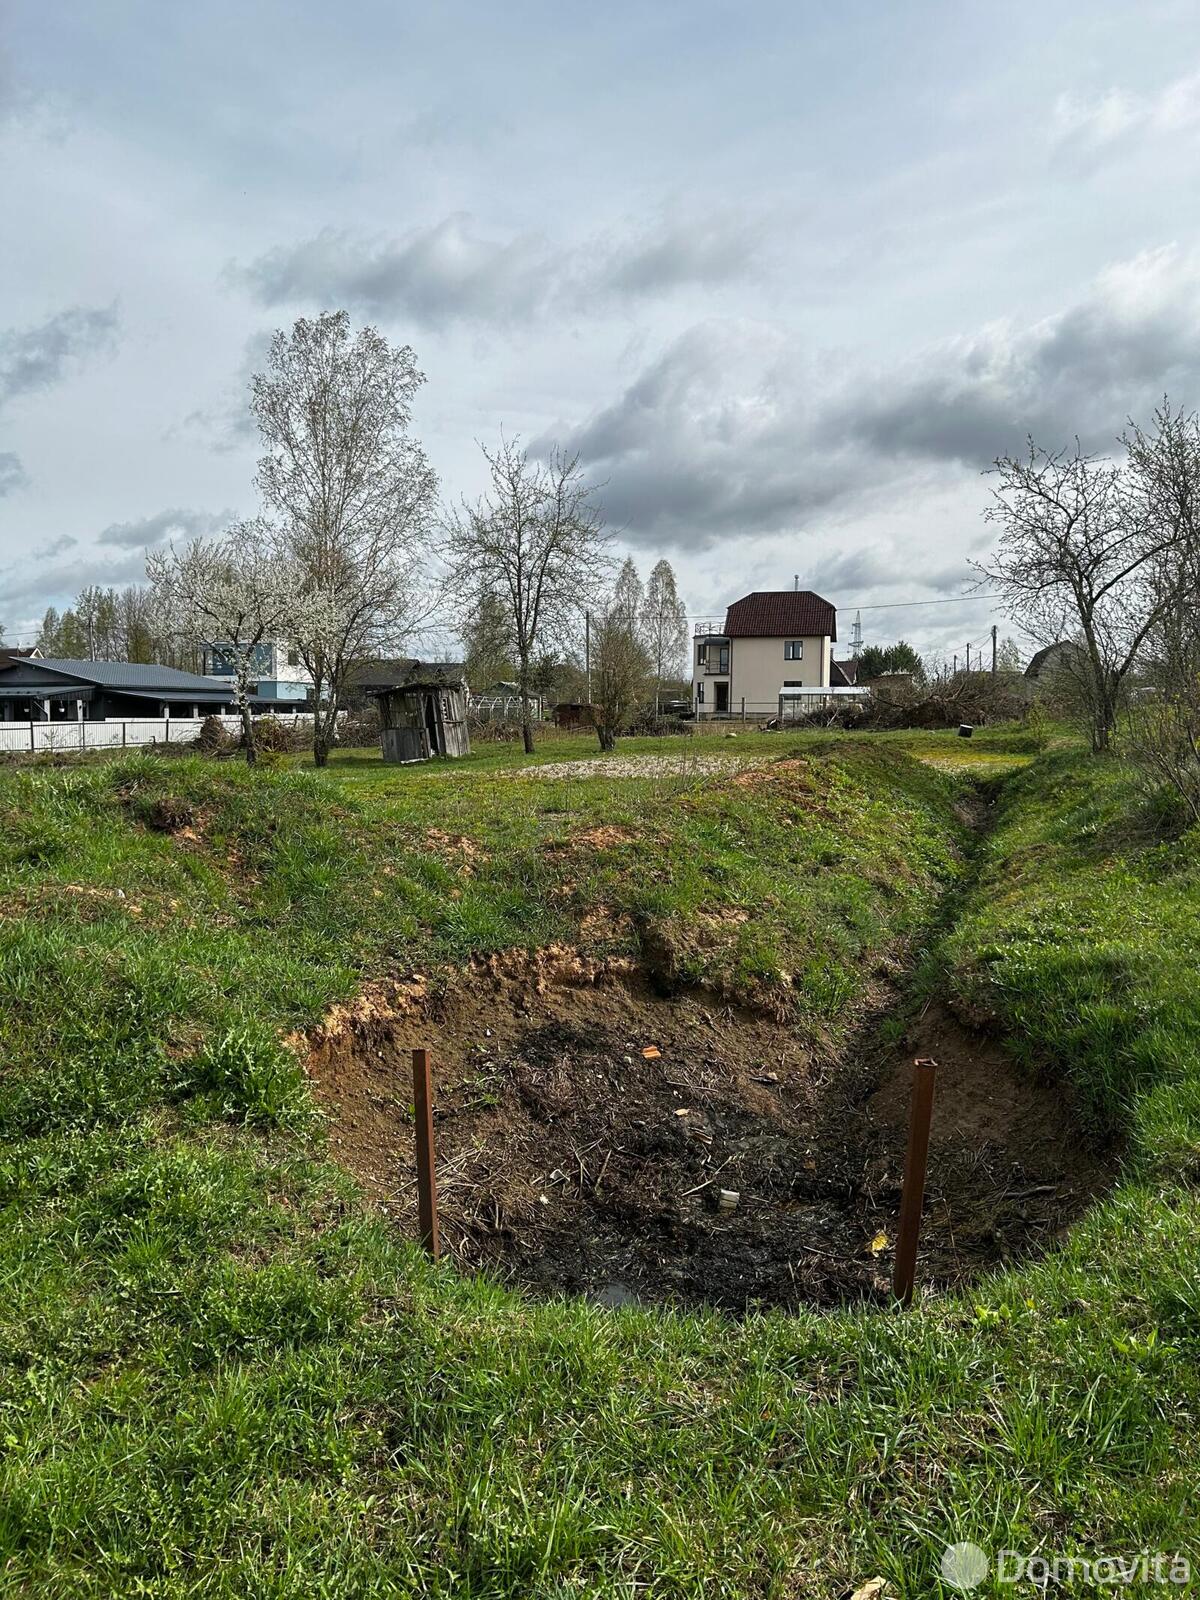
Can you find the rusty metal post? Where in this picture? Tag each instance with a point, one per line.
(426, 1180)
(912, 1198)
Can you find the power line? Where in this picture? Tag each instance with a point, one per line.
(900, 605)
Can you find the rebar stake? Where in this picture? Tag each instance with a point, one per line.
(912, 1198)
(426, 1180)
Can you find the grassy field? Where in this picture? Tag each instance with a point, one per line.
(221, 1375)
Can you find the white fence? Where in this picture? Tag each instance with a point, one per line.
(60, 737)
(127, 732)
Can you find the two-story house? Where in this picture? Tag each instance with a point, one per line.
(771, 641)
(279, 673)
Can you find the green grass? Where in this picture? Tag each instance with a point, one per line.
(219, 1375)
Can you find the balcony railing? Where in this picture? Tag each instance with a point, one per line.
(713, 627)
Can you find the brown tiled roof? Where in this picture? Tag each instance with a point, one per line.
(843, 674)
(781, 614)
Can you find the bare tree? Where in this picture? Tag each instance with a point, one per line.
(620, 671)
(536, 543)
(230, 594)
(352, 493)
(664, 627)
(1162, 724)
(1074, 561)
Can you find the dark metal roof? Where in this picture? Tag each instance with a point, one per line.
(1047, 655)
(133, 675)
(388, 674)
(843, 674)
(413, 675)
(781, 614)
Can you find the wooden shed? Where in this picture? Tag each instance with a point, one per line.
(423, 713)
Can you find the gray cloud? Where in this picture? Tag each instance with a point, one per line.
(736, 429)
(28, 590)
(229, 425)
(173, 524)
(1135, 335)
(715, 250)
(57, 547)
(439, 274)
(115, 558)
(35, 358)
(12, 473)
(452, 271)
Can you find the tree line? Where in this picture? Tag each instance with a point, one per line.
(1100, 556)
(351, 556)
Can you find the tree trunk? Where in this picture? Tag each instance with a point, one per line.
(605, 734)
(526, 714)
(248, 744)
(320, 739)
(324, 734)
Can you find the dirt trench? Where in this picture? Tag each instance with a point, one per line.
(594, 1137)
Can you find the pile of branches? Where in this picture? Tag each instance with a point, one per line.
(943, 702)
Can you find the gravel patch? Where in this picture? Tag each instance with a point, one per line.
(636, 767)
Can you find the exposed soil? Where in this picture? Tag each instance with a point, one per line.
(586, 1127)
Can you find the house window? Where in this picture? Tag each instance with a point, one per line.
(793, 649)
(293, 657)
(792, 683)
(699, 694)
(701, 653)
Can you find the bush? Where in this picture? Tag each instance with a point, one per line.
(360, 728)
(272, 735)
(214, 739)
(655, 725)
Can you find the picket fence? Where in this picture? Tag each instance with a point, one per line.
(117, 734)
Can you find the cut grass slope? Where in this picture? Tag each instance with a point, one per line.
(221, 1378)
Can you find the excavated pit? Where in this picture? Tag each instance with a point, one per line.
(585, 1126)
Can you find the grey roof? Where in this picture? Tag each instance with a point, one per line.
(414, 675)
(390, 673)
(1045, 658)
(134, 676)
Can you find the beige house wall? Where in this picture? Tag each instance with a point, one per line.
(758, 670)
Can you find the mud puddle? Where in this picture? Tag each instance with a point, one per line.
(596, 1138)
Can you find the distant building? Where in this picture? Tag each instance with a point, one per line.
(277, 672)
(1044, 662)
(49, 689)
(771, 642)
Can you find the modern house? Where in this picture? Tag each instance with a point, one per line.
(771, 641)
(278, 674)
(47, 689)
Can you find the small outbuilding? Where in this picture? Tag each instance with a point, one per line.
(422, 711)
(574, 714)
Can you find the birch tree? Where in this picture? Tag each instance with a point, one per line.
(664, 627)
(230, 594)
(535, 542)
(352, 495)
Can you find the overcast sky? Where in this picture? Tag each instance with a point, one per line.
(786, 275)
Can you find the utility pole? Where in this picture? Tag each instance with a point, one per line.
(968, 656)
(956, 666)
(993, 649)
